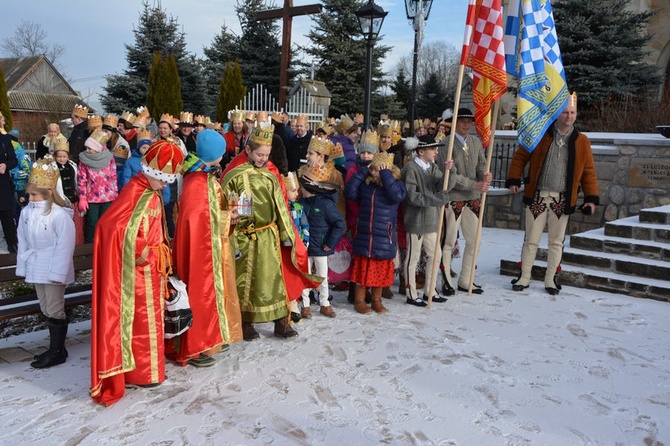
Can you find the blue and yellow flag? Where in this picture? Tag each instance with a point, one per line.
(533, 56)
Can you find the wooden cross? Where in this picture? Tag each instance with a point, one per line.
(286, 13)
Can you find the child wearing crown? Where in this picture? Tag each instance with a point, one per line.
(67, 184)
(300, 222)
(378, 190)
(271, 260)
(46, 245)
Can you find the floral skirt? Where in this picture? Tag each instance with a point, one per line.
(373, 272)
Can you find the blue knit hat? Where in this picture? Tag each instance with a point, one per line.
(210, 145)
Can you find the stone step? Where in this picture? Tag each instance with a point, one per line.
(596, 240)
(631, 227)
(615, 263)
(658, 215)
(588, 278)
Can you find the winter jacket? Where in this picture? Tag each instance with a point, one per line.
(469, 168)
(132, 167)
(376, 228)
(424, 197)
(349, 149)
(67, 182)
(46, 244)
(581, 169)
(21, 172)
(353, 206)
(326, 224)
(98, 185)
(7, 157)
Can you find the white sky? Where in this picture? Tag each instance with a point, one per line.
(94, 32)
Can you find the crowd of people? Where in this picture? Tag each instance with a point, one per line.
(249, 214)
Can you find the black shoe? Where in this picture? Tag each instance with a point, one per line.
(416, 302)
(202, 361)
(50, 359)
(448, 290)
(516, 287)
(12, 248)
(552, 291)
(149, 386)
(436, 298)
(476, 289)
(295, 317)
(46, 352)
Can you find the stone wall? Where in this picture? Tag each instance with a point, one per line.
(633, 174)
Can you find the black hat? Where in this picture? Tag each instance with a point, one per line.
(465, 113)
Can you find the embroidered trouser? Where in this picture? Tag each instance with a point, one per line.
(414, 244)
(465, 219)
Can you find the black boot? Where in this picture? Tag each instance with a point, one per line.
(12, 248)
(351, 298)
(56, 353)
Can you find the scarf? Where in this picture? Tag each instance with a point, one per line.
(194, 164)
(96, 161)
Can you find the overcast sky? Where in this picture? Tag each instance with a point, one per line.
(94, 33)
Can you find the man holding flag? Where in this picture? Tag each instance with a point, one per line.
(560, 157)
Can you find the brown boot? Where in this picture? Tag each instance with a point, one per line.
(387, 293)
(360, 306)
(402, 285)
(283, 329)
(377, 300)
(249, 333)
(327, 311)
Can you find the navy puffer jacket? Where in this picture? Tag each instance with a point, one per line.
(326, 224)
(376, 229)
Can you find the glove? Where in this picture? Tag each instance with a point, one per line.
(83, 205)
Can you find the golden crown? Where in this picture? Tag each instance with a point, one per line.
(236, 115)
(345, 124)
(250, 116)
(358, 119)
(395, 126)
(370, 137)
(337, 151)
(384, 130)
(326, 126)
(208, 122)
(61, 145)
(143, 133)
(94, 122)
(291, 181)
(111, 120)
(167, 117)
(320, 145)
(217, 126)
(44, 173)
(199, 119)
(383, 160)
(143, 111)
(276, 116)
(262, 116)
(316, 174)
(186, 117)
(141, 122)
(262, 135)
(128, 117)
(100, 136)
(80, 111)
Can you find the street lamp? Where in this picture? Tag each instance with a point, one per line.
(418, 12)
(370, 18)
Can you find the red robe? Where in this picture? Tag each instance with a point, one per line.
(130, 259)
(296, 277)
(204, 261)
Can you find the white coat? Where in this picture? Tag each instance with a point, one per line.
(46, 244)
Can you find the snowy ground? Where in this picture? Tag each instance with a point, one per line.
(502, 368)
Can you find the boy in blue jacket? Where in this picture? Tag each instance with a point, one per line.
(326, 227)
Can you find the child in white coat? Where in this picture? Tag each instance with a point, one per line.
(46, 245)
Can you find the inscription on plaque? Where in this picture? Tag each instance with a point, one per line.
(650, 172)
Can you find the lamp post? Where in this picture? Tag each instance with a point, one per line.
(418, 12)
(370, 18)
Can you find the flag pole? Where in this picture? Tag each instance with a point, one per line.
(445, 185)
(482, 204)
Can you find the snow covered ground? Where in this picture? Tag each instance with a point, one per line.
(502, 368)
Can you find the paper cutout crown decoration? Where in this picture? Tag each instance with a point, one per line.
(235, 115)
(320, 145)
(572, 100)
(345, 124)
(94, 122)
(143, 112)
(369, 142)
(44, 173)
(384, 130)
(291, 181)
(262, 116)
(163, 161)
(359, 119)
(127, 117)
(167, 117)
(199, 120)
(208, 122)
(61, 145)
(336, 152)
(186, 118)
(316, 174)
(276, 116)
(250, 116)
(262, 134)
(383, 160)
(80, 111)
(111, 121)
(141, 122)
(395, 126)
(327, 126)
(144, 134)
(97, 139)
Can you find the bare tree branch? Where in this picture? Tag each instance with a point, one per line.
(30, 39)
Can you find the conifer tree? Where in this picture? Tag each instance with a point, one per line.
(154, 88)
(4, 102)
(224, 47)
(171, 86)
(231, 91)
(402, 88)
(432, 98)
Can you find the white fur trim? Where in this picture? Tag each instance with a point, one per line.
(159, 174)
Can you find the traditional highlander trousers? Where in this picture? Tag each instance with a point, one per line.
(44, 258)
(203, 257)
(270, 259)
(131, 261)
(559, 165)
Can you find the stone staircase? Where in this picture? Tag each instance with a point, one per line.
(628, 256)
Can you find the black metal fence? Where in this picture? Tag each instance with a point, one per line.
(500, 160)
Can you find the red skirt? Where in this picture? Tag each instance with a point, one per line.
(373, 272)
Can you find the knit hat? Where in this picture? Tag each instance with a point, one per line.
(369, 142)
(97, 139)
(210, 145)
(44, 173)
(163, 161)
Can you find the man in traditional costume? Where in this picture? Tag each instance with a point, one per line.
(131, 261)
(203, 257)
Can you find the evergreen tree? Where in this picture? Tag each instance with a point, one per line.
(339, 52)
(432, 98)
(402, 87)
(602, 48)
(155, 32)
(172, 87)
(231, 90)
(154, 91)
(4, 101)
(224, 47)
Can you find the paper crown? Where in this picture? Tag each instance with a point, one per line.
(97, 139)
(217, 126)
(384, 130)
(250, 116)
(144, 134)
(186, 118)
(291, 181)
(316, 174)
(236, 115)
(345, 124)
(262, 116)
(336, 151)
(127, 117)
(61, 145)
(276, 116)
(111, 121)
(163, 161)
(208, 123)
(94, 122)
(369, 142)
(262, 135)
(382, 160)
(199, 120)
(141, 122)
(81, 111)
(572, 100)
(166, 117)
(326, 126)
(301, 119)
(320, 145)
(359, 119)
(143, 112)
(44, 173)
